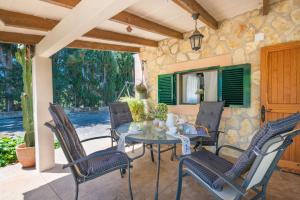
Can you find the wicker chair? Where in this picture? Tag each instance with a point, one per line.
(119, 114)
(209, 116)
(222, 178)
(85, 167)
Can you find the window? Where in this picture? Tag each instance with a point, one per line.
(198, 86)
(231, 84)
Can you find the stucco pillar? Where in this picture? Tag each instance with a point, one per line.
(42, 95)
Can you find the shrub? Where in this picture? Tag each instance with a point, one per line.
(8, 150)
(136, 108)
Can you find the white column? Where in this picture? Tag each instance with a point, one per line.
(42, 95)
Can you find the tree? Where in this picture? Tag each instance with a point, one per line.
(90, 78)
(126, 70)
(10, 82)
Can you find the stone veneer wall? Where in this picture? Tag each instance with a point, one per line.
(235, 37)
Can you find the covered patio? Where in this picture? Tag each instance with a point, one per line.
(236, 34)
(57, 184)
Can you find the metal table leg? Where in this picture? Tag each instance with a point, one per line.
(157, 172)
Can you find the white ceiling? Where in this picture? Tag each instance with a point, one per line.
(164, 12)
(225, 9)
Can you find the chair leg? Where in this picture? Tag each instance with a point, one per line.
(151, 152)
(264, 190)
(76, 191)
(196, 146)
(173, 155)
(129, 182)
(132, 150)
(261, 194)
(179, 184)
(112, 140)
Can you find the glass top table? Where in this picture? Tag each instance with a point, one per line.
(146, 133)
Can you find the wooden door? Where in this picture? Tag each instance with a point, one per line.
(280, 92)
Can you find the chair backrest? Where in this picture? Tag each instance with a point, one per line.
(267, 132)
(209, 115)
(267, 159)
(119, 114)
(68, 138)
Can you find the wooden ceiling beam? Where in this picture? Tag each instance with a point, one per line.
(63, 3)
(147, 25)
(102, 46)
(109, 35)
(21, 20)
(265, 7)
(20, 38)
(129, 19)
(192, 6)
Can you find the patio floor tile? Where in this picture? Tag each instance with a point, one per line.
(58, 184)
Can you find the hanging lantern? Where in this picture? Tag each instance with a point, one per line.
(196, 37)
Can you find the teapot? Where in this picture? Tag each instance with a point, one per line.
(171, 120)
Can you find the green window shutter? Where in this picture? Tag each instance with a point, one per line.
(167, 89)
(235, 85)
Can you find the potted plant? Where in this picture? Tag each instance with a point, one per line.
(161, 114)
(26, 151)
(136, 107)
(141, 90)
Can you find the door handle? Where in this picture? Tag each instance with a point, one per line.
(263, 111)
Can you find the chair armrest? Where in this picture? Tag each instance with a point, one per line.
(94, 138)
(221, 175)
(229, 147)
(94, 155)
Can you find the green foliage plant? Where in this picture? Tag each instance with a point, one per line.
(161, 111)
(23, 56)
(8, 150)
(136, 107)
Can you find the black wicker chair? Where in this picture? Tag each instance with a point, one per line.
(224, 179)
(119, 114)
(85, 167)
(209, 116)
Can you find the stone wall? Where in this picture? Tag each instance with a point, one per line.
(234, 37)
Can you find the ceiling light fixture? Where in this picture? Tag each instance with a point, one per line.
(196, 37)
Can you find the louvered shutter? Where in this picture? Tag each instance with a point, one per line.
(235, 85)
(167, 89)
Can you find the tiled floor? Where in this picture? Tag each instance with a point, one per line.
(57, 184)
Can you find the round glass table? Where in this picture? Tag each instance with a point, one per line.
(146, 133)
